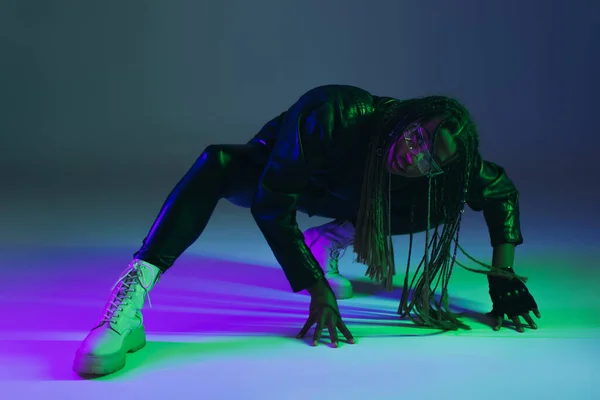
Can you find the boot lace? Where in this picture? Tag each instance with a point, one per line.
(122, 292)
(337, 251)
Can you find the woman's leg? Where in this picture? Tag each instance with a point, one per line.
(329, 241)
(222, 171)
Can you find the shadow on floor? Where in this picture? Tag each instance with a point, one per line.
(201, 297)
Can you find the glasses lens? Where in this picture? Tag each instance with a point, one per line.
(416, 144)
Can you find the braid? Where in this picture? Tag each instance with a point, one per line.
(440, 256)
(446, 195)
(373, 241)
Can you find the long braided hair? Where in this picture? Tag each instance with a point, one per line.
(446, 196)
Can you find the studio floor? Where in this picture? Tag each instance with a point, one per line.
(223, 321)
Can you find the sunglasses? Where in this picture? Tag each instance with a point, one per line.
(414, 136)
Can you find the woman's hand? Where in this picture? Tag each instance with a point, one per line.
(324, 312)
(511, 297)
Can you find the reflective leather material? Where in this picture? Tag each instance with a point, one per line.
(320, 144)
(309, 158)
(317, 136)
(495, 194)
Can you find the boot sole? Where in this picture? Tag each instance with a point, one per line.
(340, 286)
(89, 365)
(343, 294)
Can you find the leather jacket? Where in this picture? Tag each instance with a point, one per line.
(320, 144)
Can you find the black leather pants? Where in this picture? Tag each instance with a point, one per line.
(222, 171)
(230, 172)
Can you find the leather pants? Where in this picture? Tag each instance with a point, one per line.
(231, 172)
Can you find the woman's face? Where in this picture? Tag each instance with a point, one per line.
(406, 153)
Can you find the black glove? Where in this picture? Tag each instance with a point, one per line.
(511, 297)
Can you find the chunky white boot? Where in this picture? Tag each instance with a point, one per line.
(327, 243)
(120, 330)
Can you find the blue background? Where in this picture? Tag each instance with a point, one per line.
(106, 104)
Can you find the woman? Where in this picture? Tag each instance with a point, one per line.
(388, 166)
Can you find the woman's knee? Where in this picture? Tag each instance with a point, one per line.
(215, 156)
(208, 173)
(235, 169)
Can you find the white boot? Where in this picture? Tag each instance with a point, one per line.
(327, 243)
(120, 330)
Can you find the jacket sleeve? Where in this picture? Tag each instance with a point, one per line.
(299, 150)
(493, 192)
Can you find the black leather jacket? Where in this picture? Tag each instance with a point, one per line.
(320, 144)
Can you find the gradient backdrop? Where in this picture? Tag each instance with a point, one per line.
(104, 105)
(110, 101)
